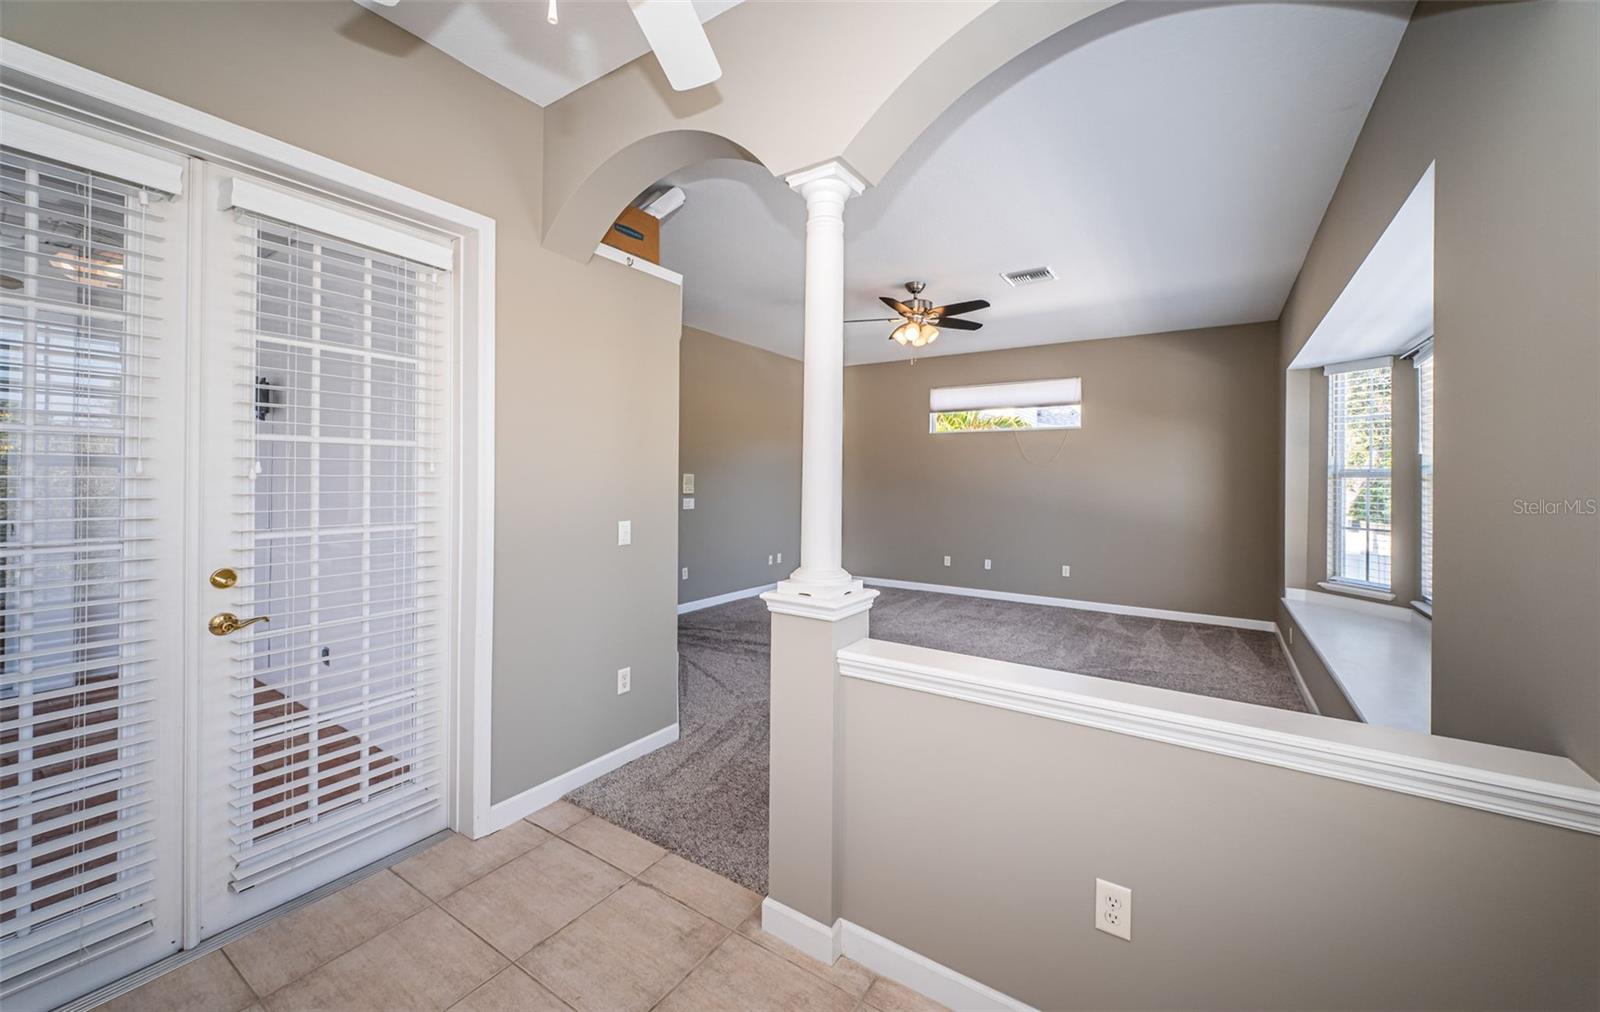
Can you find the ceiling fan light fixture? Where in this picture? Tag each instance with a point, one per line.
(903, 333)
(550, 15)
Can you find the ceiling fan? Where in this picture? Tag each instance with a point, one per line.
(674, 32)
(921, 319)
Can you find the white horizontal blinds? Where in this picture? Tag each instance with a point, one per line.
(338, 729)
(1360, 460)
(79, 255)
(1424, 365)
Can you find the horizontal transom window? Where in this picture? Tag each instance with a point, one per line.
(1002, 407)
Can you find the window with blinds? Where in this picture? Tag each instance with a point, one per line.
(78, 661)
(1360, 476)
(994, 407)
(1424, 366)
(338, 730)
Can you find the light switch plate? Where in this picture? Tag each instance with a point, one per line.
(685, 572)
(624, 680)
(688, 502)
(769, 560)
(624, 532)
(1066, 570)
(780, 557)
(947, 560)
(688, 484)
(988, 563)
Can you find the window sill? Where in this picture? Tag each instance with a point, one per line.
(1380, 656)
(1423, 607)
(1350, 588)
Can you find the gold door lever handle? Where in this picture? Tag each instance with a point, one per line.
(225, 622)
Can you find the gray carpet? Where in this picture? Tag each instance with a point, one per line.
(705, 797)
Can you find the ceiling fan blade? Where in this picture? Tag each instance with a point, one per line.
(899, 307)
(957, 308)
(949, 324)
(674, 31)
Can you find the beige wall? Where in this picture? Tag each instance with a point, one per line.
(1506, 99)
(973, 836)
(587, 355)
(1164, 499)
(739, 435)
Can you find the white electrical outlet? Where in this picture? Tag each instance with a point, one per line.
(685, 573)
(624, 532)
(688, 484)
(1066, 570)
(947, 560)
(780, 558)
(1113, 909)
(624, 680)
(769, 560)
(688, 502)
(988, 564)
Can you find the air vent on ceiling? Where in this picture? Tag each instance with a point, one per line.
(1030, 276)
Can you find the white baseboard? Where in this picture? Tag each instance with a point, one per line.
(520, 806)
(1259, 624)
(916, 971)
(733, 595)
(1294, 669)
(807, 934)
(883, 957)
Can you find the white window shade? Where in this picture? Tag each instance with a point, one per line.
(1024, 394)
(79, 343)
(25, 133)
(247, 195)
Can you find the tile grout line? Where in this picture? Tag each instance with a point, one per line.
(429, 900)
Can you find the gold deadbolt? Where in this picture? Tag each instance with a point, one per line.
(225, 622)
(224, 578)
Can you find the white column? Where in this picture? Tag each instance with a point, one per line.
(821, 577)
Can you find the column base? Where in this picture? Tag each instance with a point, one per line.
(830, 601)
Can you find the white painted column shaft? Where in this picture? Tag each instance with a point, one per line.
(821, 573)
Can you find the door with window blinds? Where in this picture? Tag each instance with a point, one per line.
(91, 373)
(323, 732)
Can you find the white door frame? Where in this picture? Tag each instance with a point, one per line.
(133, 111)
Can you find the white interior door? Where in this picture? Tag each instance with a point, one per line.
(91, 516)
(323, 714)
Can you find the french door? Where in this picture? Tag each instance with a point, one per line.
(222, 645)
(321, 691)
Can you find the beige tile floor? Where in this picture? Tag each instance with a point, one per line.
(563, 912)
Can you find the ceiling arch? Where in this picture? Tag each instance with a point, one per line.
(802, 84)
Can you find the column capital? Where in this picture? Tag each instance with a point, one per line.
(828, 172)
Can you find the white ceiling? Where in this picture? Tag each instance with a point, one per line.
(1387, 306)
(510, 42)
(1172, 172)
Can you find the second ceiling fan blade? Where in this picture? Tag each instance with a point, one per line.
(957, 308)
(674, 31)
(899, 307)
(949, 324)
